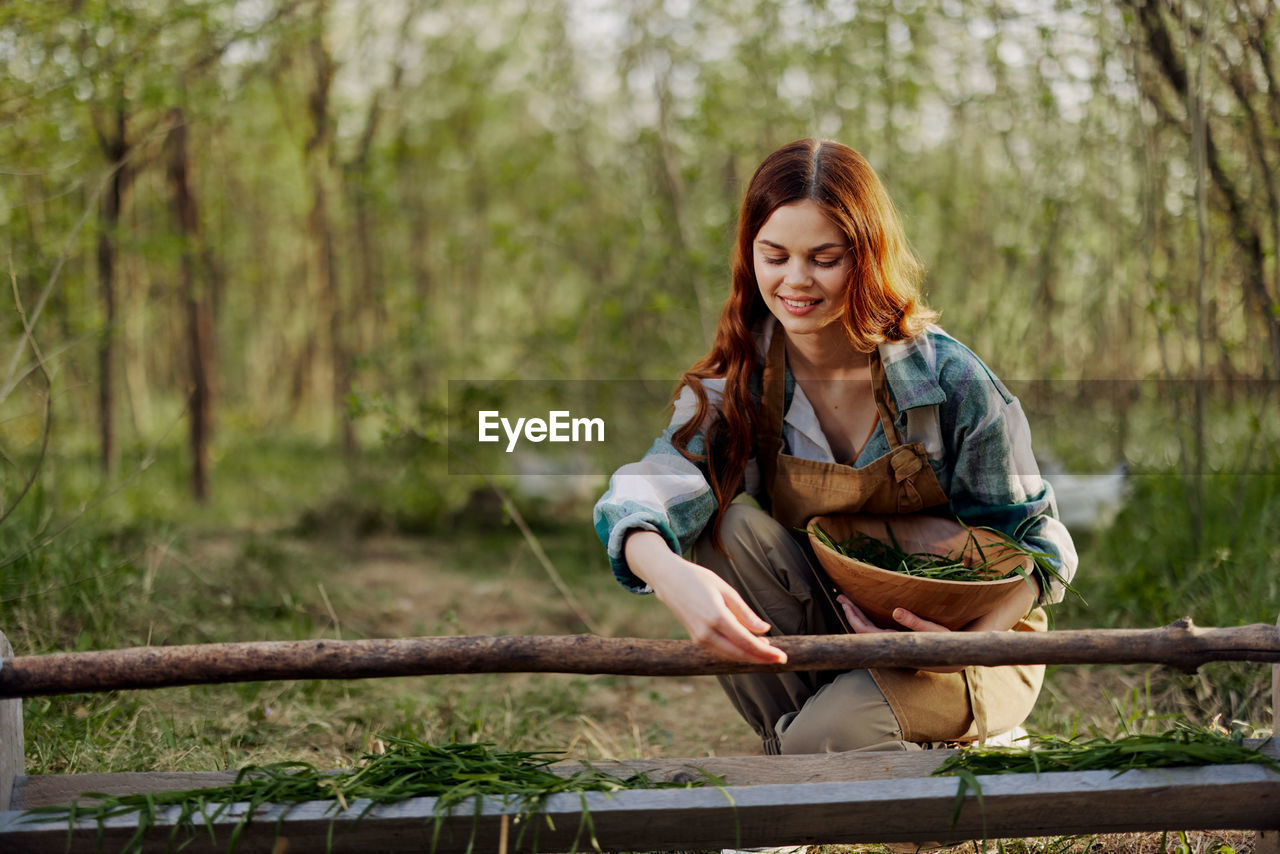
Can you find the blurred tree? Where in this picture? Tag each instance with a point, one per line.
(395, 195)
(1210, 72)
(125, 66)
(327, 362)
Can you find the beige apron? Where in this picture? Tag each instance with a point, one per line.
(929, 706)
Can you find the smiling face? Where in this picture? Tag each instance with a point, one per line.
(802, 265)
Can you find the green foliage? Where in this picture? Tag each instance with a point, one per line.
(550, 193)
(53, 583)
(1150, 567)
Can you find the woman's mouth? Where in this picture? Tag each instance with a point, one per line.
(799, 306)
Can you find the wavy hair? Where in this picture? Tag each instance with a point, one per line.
(881, 303)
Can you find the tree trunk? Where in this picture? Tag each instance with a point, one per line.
(196, 304)
(368, 314)
(412, 184)
(133, 336)
(116, 148)
(366, 296)
(319, 161)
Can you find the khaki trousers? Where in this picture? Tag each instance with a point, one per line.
(794, 712)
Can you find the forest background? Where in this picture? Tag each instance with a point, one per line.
(259, 253)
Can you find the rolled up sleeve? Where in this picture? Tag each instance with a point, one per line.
(995, 480)
(663, 492)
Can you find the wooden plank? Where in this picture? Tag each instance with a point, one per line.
(12, 744)
(45, 790)
(61, 789)
(1181, 645)
(800, 768)
(1268, 841)
(1215, 797)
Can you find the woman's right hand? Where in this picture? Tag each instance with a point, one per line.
(711, 611)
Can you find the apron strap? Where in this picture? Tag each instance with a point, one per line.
(884, 401)
(773, 404)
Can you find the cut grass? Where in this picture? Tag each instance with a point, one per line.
(890, 556)
(961, 565)
(1183, 745)
(453, 774)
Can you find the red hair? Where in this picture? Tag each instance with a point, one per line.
(882, 301)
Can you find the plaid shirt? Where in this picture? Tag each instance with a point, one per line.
(973, 429)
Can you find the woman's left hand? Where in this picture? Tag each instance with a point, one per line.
(861, 623)
(1012, 609)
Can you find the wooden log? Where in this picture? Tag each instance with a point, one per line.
(1181, 644)
(1016, 805)
(12, 745)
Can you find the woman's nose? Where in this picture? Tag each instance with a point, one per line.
(797, 274)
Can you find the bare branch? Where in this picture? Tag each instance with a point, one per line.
(11, 373)
(48, 396)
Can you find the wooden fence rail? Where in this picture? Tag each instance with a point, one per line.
(1181, 644)
(766, 800)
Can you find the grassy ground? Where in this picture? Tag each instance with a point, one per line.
(299, 545)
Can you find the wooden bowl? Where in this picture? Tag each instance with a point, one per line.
(878, 591)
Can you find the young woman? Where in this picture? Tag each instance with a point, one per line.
(828, 390)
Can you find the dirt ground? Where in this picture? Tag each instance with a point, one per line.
(408, 588)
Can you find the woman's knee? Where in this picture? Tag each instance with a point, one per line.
(848, 713)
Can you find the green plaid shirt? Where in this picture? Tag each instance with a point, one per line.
(973, 429)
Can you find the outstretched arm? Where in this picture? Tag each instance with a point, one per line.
(712, 612)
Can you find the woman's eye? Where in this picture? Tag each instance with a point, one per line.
(775, 261)
(822, 262)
